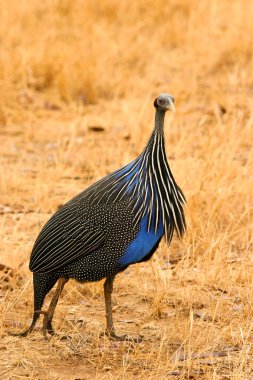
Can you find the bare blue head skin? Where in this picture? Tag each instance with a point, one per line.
(162, 103)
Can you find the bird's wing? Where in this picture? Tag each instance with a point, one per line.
(68, 236)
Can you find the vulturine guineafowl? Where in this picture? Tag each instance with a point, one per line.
(118, 221)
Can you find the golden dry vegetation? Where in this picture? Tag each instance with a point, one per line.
(77, 82)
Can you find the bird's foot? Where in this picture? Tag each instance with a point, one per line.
(48, 328)
(22, 333)
(30, 329)
(59, 336)
(112, 335)
(125, 338)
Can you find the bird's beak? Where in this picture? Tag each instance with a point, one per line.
(171, 106)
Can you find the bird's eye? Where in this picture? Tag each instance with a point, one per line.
(161, 101)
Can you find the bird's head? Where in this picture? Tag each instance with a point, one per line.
(164, 102)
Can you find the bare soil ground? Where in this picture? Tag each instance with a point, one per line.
(77, 82)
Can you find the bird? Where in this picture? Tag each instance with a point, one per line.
(116, 222)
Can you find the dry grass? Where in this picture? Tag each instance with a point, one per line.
(66, 66)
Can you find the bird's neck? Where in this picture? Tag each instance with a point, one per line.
(159, 120)
(158, 132)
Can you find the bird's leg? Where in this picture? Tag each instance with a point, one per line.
(48, 315)
(110, 332)
(108, 288)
